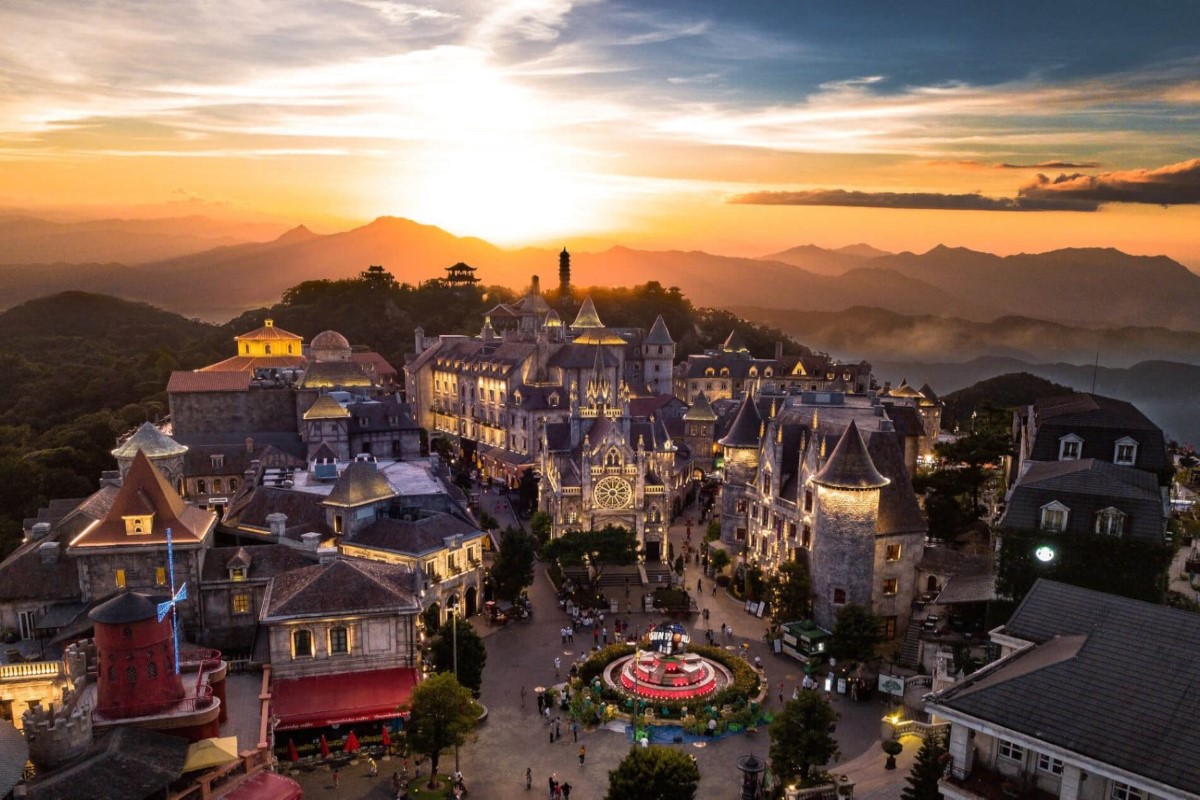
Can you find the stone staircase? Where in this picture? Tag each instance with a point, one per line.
(615, 576)
(657, 574)
(910, 651)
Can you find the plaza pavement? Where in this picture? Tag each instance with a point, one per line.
(513, 738)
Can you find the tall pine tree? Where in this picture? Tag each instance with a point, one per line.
(926, 770)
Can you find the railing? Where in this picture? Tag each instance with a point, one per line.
(202, 701)
(30, 669)
(912, 727)
(989, 785)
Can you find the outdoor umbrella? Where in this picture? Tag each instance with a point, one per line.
(324, 747)
(387, 737)
(210, 753)
(351, 743)
(292, 754)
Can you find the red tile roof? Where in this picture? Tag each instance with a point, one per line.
(182, 382)
(251, 363)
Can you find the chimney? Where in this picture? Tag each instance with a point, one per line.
(885, 424)
(41, 530)
(327, 555)
(277, 523)
(252, 471)
(312, 540)
(49, 552)
(110, 477)
(779, 351)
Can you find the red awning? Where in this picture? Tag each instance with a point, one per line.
(318, 700)
(266, 786)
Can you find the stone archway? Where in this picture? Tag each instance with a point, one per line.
(471, 601)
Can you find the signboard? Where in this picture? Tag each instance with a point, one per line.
(778, 644)
(761, 607)
(890, 684)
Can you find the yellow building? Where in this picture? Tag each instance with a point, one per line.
(266, 348)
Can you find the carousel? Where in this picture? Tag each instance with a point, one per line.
(666, 671)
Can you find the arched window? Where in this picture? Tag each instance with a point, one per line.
(289, 349)
(152, 669)
(201, 486)
(233, 484)
(131, 674)
(302, 644)
(112, 672)
(613, 459)
(217, 485)
(267, 349)
(246, 349)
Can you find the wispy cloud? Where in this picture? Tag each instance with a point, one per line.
(911, 200)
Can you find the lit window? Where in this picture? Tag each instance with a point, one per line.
(120, 579)
(1123, 791)
(1049, 764)
(1011, 751)
(1069, 447)
(891, 586)
(301, 644)
(1110, 522)
(339, 640)
(241, 603)
(160, 576)
(892, 553)
(1054, 517)
(237, 573)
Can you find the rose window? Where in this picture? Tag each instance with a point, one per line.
(612, 492)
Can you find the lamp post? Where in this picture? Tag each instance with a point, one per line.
(454, 645)
(752, 769)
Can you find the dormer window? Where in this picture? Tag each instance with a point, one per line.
(1070, 447)
(237, 573)
(218, 461)
(1110, 522)
(1054, 517)
(1125, 451)
(139, 525)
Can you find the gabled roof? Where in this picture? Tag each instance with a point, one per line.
(734, 343)
(904, 390)
(587, 316)
(249, 364)
(658, 333)
(746, 426)
(151, 441)
(417, 537)
(1090, 649)
(205, 381)
(359, 484)
(342, 586)
(145, 491)
(700, 410)
(373, 363)
(850, 465)
(325, 407)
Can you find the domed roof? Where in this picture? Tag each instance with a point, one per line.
(329, 340)
(553, 320)
(151, 441)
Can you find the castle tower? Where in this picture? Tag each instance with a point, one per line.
(698, 424)
(845, 517)
(658, 356)
(564, 275)
(327, 422)
(740, 448)
(164, 453)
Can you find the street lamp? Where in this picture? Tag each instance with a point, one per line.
(454, 644)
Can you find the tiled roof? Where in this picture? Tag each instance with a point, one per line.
(151, 441)
(145, 490)
(328, 374)
(181, 382)
(23, 575)
(700, 410)
(128, 763)
(413, 537)
(265, 561)
(249, 364)
(746, 426)
(849, 465)
(303, 510)
(342, 586)
(581, 356)
(658, 333)
(325, 407)
(1100, 422)
(1073, 689)
(269, 333)
(359, 484)
(373, 363)
(1086, 487)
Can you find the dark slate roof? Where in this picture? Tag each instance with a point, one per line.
(899, 511)
(343, 586)
(303, 510)
(734, 342)
(905, 420)
(849, 465)
(700, 410)
(379, 415)
(737, 364)
(558, 437)
(128, 764)
(266, 561)
(746, 426)
(127, 607)
(1100, 422)
(1086, 487)
(235, 458)
(929, 393)
(413, 537)
(1072, 689)
(948, 561)
(581, 356)
(658, 333)
(647, 406)
(360, 484)
(23, 576)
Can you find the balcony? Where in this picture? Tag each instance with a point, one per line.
(985, 784)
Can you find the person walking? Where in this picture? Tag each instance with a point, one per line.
(582, 753)
(604, 635)
(781, 693)
(553, 785)
(557, 730)
(699, 585)
(528, 778)
(566, 790)
(570, 634)
(575, 732)
(336, 779)
(562, 634)
(395, 783)
(557, 664)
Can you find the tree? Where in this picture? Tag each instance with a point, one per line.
(719, 560)
(802, 737)
(540, 525)
(527, 493)
(442, 713)
(612, 544)
(472, 654)
(855, 633)
(713, 531)
(513, 568)
(926, 770)
(654, 773)
(789, 592)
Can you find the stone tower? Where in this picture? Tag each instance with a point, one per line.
(564, 275)
(658, 355)
(740, 449)
(845, 517)
(698, 424)
(164, 453)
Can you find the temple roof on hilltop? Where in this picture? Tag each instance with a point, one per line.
(850, 465)
(746, 427)
(658, 333)
(150, 439)
(209, 379)
(341, 586)
(700, 410)
(587, 316)
(325, 407)
(145, 491)
(269, 332)
(359, 484)
(734, 343)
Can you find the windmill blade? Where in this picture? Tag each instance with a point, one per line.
(164, 609)
(181, 595)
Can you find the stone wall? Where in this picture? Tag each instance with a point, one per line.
(380, 642)
(234, 413)
(843, 552)
(56, 735)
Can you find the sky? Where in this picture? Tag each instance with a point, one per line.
(734, 127)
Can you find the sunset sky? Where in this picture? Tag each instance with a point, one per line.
(735, 127)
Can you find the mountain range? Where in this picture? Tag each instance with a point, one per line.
(1080, 287)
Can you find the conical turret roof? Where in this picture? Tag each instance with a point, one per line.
(927, 391)
(850, 465)
(151, 441)
(659, 334)
(587, 316)
(701, 410)
(745, 429)
(734, 343)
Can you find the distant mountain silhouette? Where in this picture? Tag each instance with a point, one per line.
(1010, 390)
(826, 262)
